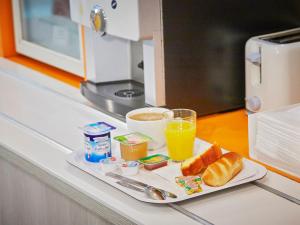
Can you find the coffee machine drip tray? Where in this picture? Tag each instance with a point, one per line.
(117, 97)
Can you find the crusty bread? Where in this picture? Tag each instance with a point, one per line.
(223, 170)
(198, 163)
(211, 155)
(192, 166)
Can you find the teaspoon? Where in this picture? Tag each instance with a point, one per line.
(151, 192)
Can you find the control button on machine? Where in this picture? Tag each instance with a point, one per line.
(253, 104)
(254, 58)
(98, 19)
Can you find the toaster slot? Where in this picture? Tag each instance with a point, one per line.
(285, 38)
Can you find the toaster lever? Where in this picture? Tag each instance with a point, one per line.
(254, 58)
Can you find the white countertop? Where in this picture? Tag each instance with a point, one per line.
(45, 116)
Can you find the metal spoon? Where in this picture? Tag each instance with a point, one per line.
(151, 192)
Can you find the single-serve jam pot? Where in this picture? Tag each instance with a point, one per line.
(154, 161)
(133, 146)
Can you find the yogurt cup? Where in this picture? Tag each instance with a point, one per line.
(97, 141)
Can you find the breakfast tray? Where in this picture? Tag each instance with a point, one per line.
(164, 178)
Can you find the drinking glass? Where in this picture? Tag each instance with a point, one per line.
(180, 133)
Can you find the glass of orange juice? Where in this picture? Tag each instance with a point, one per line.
(180, 133)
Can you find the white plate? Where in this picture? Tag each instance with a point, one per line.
(164, 177)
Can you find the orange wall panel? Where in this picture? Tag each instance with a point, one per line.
(229, 129)
(7, 44)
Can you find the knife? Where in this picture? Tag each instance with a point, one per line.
(128, 185)
(138, 183)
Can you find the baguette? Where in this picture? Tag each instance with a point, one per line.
(223, 170)
(199, 163)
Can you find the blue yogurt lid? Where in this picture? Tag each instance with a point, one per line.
(98, 128)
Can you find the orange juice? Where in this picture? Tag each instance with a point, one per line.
(180, 137)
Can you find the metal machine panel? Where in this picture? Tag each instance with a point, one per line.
(204, 48)
(136, 25)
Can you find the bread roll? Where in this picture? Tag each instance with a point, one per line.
(223, 170)
(198, 163)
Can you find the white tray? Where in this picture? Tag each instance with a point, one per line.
(164, 177)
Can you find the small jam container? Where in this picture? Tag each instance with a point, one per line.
(97, 141)
(154, 161)
(130, 168)
(133, 146)
(109, 164)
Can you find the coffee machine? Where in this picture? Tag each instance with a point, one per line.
(173, 53)
(123, 53)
